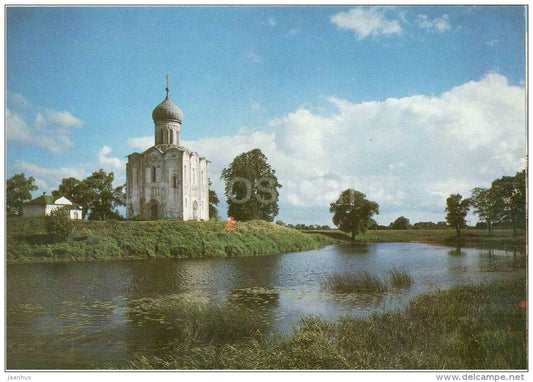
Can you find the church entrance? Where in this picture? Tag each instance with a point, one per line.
(154, 211)
(195, 210)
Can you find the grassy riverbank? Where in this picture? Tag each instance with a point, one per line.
(27, 240)
(470, 237)
(465, 327)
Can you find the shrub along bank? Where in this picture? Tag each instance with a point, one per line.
(28, 241)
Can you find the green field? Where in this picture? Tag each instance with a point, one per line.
(27, 240)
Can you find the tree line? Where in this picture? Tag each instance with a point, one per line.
(504, 203)
(252, 191)
(95, 194)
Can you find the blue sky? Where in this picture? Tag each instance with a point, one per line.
(406, 104)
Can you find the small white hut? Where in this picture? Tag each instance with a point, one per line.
(44, 204)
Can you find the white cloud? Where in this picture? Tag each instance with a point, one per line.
(292, 32)
(46, 178)
(50, 129)
(17, 101)
(272, 22)
(256, 106)
(141, 143)
(254, 58)
(110, 163)
(407, 153)
(62, 118)
(439, 24)
(17, 129)
(365, 22)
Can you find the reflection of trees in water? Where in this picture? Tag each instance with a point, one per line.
(353, 248)
(456, 252)
(494, 261)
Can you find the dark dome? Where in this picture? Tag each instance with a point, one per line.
(167, 111)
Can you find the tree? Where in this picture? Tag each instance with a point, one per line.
(400, 223)
(485, 205)
(353, 212)
(213, 202)
(18, 191)
(102, 197)
(251, 187)
(457, 208)
(58, 224)
(74, 190)
(95, 194)
(510, 195)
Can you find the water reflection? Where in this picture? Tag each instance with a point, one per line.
(83, 315)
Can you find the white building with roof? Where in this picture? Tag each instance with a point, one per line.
(167, 181)
(44, 204)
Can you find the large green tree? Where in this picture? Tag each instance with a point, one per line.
(18, 191)
(510, 195)
(103, 197)
(74, 190)
(401, 223)
(95, 194)
(352, 212)
(251, 187)
(457, 208)
(485, 205)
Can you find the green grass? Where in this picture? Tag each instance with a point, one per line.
(27, 240)
(470, 237)
(361, 282)
(465, 327)
(400, 278)
(192, 321)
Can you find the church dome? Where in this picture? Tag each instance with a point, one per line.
(167, 111)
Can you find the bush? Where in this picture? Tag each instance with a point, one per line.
(58, 224)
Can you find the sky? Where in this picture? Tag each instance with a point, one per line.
(407, 104)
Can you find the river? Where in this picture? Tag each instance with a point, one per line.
(75, 315)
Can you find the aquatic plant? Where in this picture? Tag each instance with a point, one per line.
(465, 327)
(400, 278)
(194, 320)
(361, 282)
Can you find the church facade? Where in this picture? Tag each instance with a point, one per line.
(167, 181)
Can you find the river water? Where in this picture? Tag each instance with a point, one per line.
(75, 315)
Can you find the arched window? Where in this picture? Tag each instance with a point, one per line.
(174, 181)
(153, 174)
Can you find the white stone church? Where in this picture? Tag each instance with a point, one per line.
(167, 181)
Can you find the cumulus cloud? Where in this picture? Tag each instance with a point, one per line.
(47, 178)
(141, 143)
(408, 154)
(62, 118)
(110, 163)
(17, 101)
(438, 24)
(365, 22)
(49, 130)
